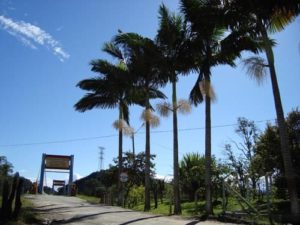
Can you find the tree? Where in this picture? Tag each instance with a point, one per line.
(135, 166)
(239, 169)
(268, 156)
(6, 168)
(111, 89)
(143, 59)
(211, 47)
(263, 17)
(248, 132)
(172, 37)
(192, 173)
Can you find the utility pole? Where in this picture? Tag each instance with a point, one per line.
(101, 157)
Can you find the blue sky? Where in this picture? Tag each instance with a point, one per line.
(46, 47)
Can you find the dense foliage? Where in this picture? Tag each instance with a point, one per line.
(268, 157)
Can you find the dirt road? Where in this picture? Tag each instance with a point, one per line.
(72, 210)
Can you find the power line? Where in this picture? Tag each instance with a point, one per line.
(59, 141)
(114, 135)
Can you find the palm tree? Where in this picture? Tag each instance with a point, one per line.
(172, 39)
(164, 109)
(263, 17)
(208, 39)
(143, 58)
(212, 47)
(111, 89)
(192, 173)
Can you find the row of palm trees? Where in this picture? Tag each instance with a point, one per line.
(206, 34)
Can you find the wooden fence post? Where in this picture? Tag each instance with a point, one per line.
(18, 203)
(5, 193)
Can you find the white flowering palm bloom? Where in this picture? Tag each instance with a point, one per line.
(206, 88)
(149, 116)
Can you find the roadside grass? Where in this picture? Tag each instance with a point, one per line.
(192, 210)
(189, 209)
(89, 199)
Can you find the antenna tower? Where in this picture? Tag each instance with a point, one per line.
(101, 158)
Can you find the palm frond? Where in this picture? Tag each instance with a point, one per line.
(164, 109)
(105, 68)
(283, 13)
(236, 42)
(256, 68)
(173, 39)
(92, 100)
(196, 96)
(92, 84)
(279, 21)
(171, 29)
(204, 16)
(129, 41)
(155, 93)
(163, 17)
(184, 106)
(113, 50)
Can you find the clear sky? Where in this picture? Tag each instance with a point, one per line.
(46, 47)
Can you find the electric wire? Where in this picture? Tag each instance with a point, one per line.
(114, 135)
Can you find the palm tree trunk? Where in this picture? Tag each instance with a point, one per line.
(285, 152)
(133, 146)
(120, 158)
(177, 206)
(147, 168)
(208, 186)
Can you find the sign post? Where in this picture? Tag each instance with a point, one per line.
(123, 178)
(59, 162)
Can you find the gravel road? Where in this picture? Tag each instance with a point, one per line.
(72, 210)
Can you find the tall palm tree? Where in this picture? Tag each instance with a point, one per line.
(212, 47)
(172, 39)
(110, 89)
(261, 18)
(142, 59)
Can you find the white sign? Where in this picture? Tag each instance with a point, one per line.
(123, 177)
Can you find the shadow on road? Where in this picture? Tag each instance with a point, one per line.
(44, 206)
(193, 222)
(43, 209)
(136, 220)
(83, 217)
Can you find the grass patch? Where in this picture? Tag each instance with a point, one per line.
(189, 209)
(89, 199)
(162, 209)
